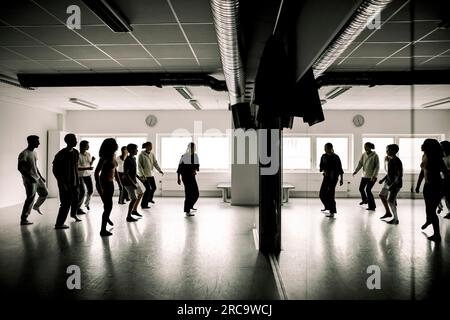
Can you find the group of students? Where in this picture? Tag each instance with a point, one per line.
(72, 170)
(435, 171)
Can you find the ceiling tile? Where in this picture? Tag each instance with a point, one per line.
(440, 34)
(159, 34)
(358, 63)
(139, 63)
(200, 33)
(193, 10)
(64, 65)
(59, 9)
(23, 65)
(376, 49)
(12, 37)
(398, 63)
(104, 64)
(170, 51)
(129, 52)
(425, 49)
(8, 55)
(55, 35)
(439, 63)
(398, 32)
(180, 65)
(39, 53)
(206, 51)
(146, 11)
(24, 13)
(104, 35)
(82, 52)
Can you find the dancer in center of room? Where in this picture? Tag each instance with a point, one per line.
(331, 166)
(105, 172)
(187, 168)
(130, 182)
(146, 163)
(392, 183)
(370, 164)
(123, 195)
(431, 168)
(85, 167)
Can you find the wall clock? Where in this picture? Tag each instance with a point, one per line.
(151, 120)
(358, 120)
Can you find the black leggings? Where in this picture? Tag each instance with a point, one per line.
(107, 199)
(191, 192)
(365, 188)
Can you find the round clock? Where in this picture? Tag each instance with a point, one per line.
(151, 120)
(358, 120)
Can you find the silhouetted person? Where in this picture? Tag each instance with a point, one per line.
(146, 163)
(431, 168)
(446, 150)
(65, 169)
(105, 172)
(130, 182)
(32, 179)
(370, 164)
(85, 168)
(123, 194)
(187, 168)
(330, 165)
(393, 182)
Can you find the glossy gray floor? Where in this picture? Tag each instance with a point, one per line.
(326, 258)
(163, 256)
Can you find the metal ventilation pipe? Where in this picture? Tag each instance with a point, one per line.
(227, 25)
(362, 16)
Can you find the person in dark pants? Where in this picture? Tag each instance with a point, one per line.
(130, 182)
(123, 195)
(65, 170)
(84, 170)
(188, 167)
(330, 165)
(370, 163)
(431, 168)
(146, 163)
(32, 179)
(105, 172)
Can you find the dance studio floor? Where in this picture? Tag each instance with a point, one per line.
(212, 255)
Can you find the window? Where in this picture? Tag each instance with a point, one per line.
(96, 141)
(380, 144)
(411, 153)
(340, 146)
(214, 152)
(172, 148)
(124, 141)
(296, 153)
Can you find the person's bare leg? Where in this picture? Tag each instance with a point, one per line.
(139, 198)
(388, 213)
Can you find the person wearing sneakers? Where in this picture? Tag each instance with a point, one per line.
(370, 164)
(187, 169)
(146, 163)
(331, 166)
(130, 182)
(32, 179)
(392, 184)
(84, 170)
(65, 170)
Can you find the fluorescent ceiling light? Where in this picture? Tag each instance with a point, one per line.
(110, 15)
(436, 103)
(336, 92)
(195, 104)
(12, 82)
(184, 92)
(84, 103)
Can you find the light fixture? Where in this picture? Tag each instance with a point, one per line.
(12, 82)
(195, 104)
(109, 14)
(84, 103)
(184, 92)
(436, 103)
(336, 92)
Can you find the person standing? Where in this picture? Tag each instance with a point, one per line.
(123, 194)
(446, 150)
(331, 166)
(146, 163)
(431, 168)
(65, 170)
(188, 167)
(105, 172)
(370, 164)
(130, 182)
(32, 179)
(392, 183)
(84, 170)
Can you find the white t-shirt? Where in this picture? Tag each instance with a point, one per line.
(120, 163)
(84, 161)
(30, 158)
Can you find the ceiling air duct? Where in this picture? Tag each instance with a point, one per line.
(227, 25)
(359, 20)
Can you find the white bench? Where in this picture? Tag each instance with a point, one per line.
(226, 189)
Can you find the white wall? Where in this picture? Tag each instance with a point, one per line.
(376, 122)
(133, 122)
(16, 123)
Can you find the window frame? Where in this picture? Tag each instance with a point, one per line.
(298, 135)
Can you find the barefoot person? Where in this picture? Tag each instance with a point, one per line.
(187, 169)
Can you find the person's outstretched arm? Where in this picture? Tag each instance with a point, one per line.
(419, 181)
(359, 166)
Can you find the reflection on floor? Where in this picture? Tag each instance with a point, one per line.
(213, 256)
(162, 256)
(326, 258)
